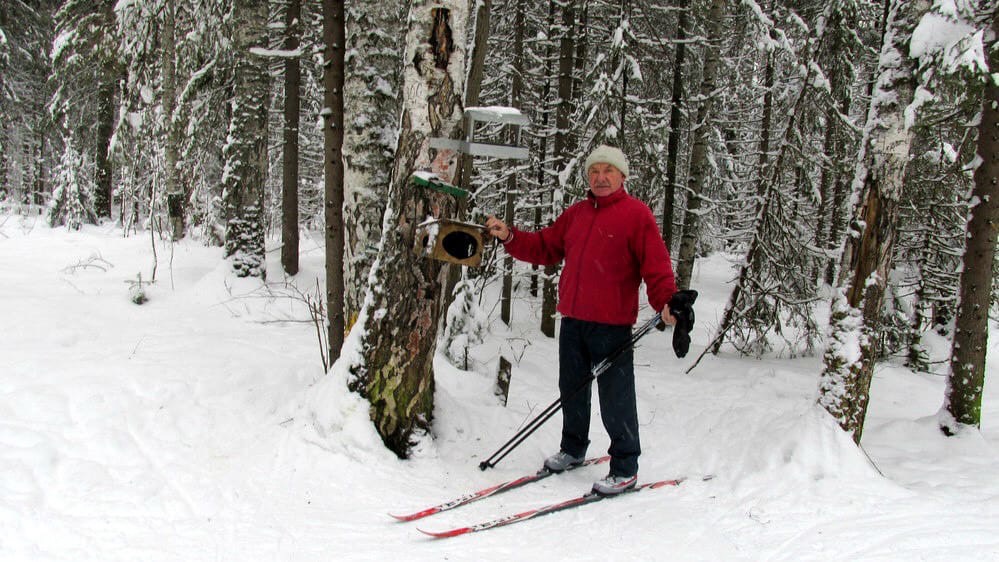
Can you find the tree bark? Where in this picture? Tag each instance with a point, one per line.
(851, 349)
(622, 130)
(289, 157)
(700, 174)
(768, 104)
(562, 113)
(838, 141)
(106, 93)
(400, 316)
(516, 92)
(334, 39)
(675, 116)
(245, 174)
(966, 381)
(174, 192)
(372, 102)
(102, 157)
(545, 111)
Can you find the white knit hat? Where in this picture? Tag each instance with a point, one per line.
(607, 155)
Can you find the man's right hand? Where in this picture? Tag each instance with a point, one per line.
(497, 228)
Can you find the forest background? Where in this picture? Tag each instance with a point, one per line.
(843, 153)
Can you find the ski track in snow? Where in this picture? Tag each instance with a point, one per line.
(200, 427)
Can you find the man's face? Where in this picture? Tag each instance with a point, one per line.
(605, 179)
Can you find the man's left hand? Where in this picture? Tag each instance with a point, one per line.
(667, 316)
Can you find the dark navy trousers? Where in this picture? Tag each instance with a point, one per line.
(581, 346)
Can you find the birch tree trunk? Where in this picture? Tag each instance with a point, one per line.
(289, 156)
(844, 385)
(245, 154)
(372, 101)
(174, 193)
(403, 303)
(700, 164)
(966, 382)
(334, 39)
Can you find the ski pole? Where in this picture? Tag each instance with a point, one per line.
(546, 414)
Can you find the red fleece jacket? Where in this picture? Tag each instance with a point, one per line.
(610, 245)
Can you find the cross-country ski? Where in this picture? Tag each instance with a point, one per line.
(493, 490)
(577, 501)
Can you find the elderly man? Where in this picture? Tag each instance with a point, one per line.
(609, 244)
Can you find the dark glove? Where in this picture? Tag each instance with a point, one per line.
(681, 306)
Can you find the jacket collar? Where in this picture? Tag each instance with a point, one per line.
(600, 202)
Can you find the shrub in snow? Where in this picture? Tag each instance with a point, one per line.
(72, 202)
(136, 290)
(466, 324)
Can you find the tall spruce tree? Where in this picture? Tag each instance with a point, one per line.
(290, 133)
(29, 143)
(966, 382)
(334, 40)
(86, 69)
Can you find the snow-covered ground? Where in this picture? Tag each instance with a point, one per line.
(199, 426)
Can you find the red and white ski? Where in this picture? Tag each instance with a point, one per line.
(588, 498)
(492, 491)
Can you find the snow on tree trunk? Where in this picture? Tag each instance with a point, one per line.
(171, 149)
(245, 152)
(967, 367)
(700, 163)
(372, 101)
(402, 307)
(845, 382)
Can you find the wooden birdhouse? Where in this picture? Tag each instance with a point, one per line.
(506, 117)
(459, 242)
(450, 241)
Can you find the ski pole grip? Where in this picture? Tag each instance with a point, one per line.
(660, 324)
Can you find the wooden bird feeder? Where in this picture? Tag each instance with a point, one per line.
(506, 116)
(450, 241)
